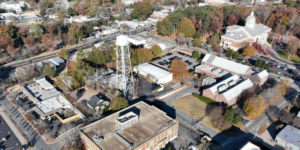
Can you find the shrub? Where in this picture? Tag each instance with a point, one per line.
(204, 99)
(196, 35)
(196, 55)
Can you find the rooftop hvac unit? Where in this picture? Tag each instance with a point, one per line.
(222, 87)
(214, 70)
(99, 138)
(232, 82)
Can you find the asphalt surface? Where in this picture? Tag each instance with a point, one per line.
(12, 142)
(27, 129)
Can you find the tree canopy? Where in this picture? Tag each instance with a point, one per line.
(249, 51)
(49, 71)
(142, 10)
(254, 106)
(186, 27)
(156, 50)
(119, 103)
(64, 54)
(178, 68)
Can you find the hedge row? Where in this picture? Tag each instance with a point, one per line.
(204, 99)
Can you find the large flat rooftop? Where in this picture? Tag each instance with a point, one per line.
(152, 70)
(41, 89)
(151, 122)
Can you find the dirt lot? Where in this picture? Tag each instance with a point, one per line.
(191, 106)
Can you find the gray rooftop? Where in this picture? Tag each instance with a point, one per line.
(290, 134)
(38, 91)
(151, 122)
(240, 33)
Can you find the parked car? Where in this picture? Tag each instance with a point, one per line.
(273, 66)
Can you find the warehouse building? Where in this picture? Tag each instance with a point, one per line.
(138, 127)
(228, 90)
(217, 67)
(288, 137)
(154, 73)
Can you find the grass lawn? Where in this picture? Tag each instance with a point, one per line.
(191, 106)
(208, 123)
(284, 55)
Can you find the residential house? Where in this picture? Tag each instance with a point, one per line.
(97, 103)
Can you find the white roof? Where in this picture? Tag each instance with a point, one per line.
(214, 88)
(263, 74)
(44, 83)
(49, 105)
(225, 64)
(57, 60)
(290, 135)
(250, 146)
(152, 70)
(136, 40)
(243, 32)
(53, 104)
(162, 46)
(237, 89)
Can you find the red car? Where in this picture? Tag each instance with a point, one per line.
(273, 66)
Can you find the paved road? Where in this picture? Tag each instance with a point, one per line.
(11, 66)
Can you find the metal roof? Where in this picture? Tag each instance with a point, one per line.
(214, 88)
(237, 89)
(250, 146)
(290, 134)
(225, 64)
(240, 33)
(152, 70)
(263, 74)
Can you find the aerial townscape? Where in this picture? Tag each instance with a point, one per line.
(149, 75)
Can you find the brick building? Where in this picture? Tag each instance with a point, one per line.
(138, 127)
(228, 90)
(259, 78)
(237, 37)
(215, 67)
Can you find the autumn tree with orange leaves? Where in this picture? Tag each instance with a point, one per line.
(178, 68)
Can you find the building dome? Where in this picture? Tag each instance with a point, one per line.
(250, 21)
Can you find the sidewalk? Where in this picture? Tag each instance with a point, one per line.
(14, 129)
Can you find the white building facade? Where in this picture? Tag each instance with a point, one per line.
(237, 37)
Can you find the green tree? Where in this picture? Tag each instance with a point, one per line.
(165, 27)
(156, 50)
(142, 10)
(267, 66)
(112, 18)
(236, 55)
(96, 56)
(72, 12)
(263, 64)
(214, 40)
(38, 31)
(229, 52)
(229, 114)
(119, 103)
(237, 118)
(49, 71)
(186, 27)
(196, 35)
(64, 54)
(197, 42)
(196, 55)
(258, 63)
(80, 54)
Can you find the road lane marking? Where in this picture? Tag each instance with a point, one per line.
(266, 117)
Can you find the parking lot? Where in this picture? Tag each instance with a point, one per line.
(165, 61)
(8, 139)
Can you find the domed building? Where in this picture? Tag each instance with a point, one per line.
(237, 37)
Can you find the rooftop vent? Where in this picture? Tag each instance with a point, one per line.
(232, 82)
(127, 120)
(222, 87)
